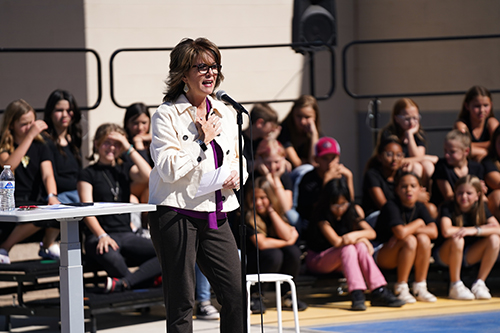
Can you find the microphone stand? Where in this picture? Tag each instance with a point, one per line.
(239, 120)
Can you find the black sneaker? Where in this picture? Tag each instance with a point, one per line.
(358, 300)
(113, 285)
(384, 297)
(287, 304)
(256, 306)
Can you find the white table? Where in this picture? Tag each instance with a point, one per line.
(71, 271)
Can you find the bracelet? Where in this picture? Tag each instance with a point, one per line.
(50, 195)
(102, 236)
(129, 151)
(479, 231)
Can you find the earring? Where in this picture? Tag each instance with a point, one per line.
(186, 88)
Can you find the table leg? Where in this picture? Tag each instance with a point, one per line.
(71, 277)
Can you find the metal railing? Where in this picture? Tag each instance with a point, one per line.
(66, 50)
(310, 49)
(375, 97)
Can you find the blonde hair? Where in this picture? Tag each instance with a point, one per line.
(263, 184)
(101, 134)
(14, 111)
(477, 212)
(463, 138)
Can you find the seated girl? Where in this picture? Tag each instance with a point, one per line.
(270, 234)
(271, 163)
(109, 239)
(405, 124)
(453, 166)
(339, 238)
(405, 230)
(23, 148)
(64, 138)
(491, 165)
(476, 118)
(301, 131)
(470, 234)
(378, 182)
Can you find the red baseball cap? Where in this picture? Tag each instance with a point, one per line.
(327, 145)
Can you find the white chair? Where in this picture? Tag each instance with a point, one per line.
(278, 279)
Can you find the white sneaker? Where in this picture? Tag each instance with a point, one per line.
(4, 257)
(461, 292)
(421, 293)
(402, 291)
(480, 290)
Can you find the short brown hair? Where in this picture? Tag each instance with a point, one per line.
(182, 58)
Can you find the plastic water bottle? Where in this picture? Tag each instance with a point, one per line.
(7, 188)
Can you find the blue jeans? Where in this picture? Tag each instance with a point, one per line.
(202, 286)
(68, 197)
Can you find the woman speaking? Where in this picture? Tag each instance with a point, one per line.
(194, 134)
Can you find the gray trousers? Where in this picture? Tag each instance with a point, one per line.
(180, 242)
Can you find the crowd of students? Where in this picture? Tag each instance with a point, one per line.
(413, 205)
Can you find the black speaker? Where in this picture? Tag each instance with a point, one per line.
(313, 20)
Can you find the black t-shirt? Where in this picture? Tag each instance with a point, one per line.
(444, 171)
(145, 153)
(309, 192)
(485, 134)
(247, 150)
(374, 178)
(418, 141)
(310, 188)
(302, 149)
(103, 178)
(66, 167)
(29, 184)
(446, 210)
(394, 213)
(316, 240)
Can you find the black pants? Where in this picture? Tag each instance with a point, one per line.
(133, 251)
(285, 260)
(180, 242)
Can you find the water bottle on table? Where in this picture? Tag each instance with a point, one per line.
(7, 188)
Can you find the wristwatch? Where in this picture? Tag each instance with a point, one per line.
(202, 144)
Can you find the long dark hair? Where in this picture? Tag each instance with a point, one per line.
(74, 129)
(132, 112)
(374, 162)
(472, 93)
(330, 194)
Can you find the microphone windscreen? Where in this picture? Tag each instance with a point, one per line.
(219, 95)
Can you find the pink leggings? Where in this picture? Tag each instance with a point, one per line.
(355, 261)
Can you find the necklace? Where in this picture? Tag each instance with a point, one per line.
(114, 190)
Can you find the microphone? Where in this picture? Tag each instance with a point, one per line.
(222, 96)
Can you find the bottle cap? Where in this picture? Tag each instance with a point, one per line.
(6, 166)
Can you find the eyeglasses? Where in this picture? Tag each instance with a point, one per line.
(390, 154)
(342, 205)
(408, 119)
(203, 68)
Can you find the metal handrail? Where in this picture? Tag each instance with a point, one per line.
(66, 50)
(405, 40)
(310, 49)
